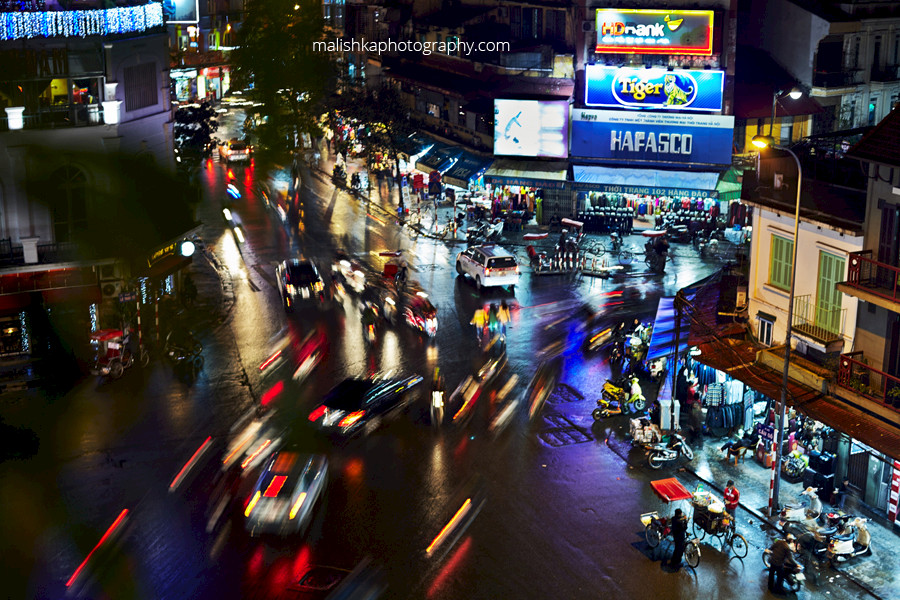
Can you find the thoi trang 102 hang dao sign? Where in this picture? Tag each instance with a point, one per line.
(655, 88)
(643, 31)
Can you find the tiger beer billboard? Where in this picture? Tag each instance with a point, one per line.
(644, 31)
(656, 88)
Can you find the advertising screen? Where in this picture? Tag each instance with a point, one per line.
(652, 137)
(656, 88)
(181, 11)
(531, 128)
(641, 31)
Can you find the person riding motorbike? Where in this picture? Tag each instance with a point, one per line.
(780, 562)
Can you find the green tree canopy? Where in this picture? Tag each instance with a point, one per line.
(289, 76)
(383, 112)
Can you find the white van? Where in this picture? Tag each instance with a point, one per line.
(488, 265)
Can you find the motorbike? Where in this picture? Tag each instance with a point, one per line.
(494, 231)
(437, 399)
(339, 176)
(844, 547)
(495, 360)
(801, 512)
(420, 314)
(668, 450)
(613, 400)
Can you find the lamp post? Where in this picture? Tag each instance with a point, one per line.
(794, 93)
(762, 141)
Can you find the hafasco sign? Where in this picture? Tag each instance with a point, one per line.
(654, 31)
(651, 137)
(653, 88)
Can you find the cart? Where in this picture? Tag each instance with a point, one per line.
(710, 517)
(657, 528)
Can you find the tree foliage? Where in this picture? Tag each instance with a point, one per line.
(276, 57)
(385, 115)
(192, 130)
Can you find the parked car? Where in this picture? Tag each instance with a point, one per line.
(298, 282)
(283, 499)
(488, 265)
(359, 405)
(234, 150)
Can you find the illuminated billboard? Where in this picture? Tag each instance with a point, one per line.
(181, 11)
(659, 138)
(640, 31)
(656, 88)
(531, 128)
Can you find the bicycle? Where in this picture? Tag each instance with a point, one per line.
(624, 256)
(659, 528)
(722, 526)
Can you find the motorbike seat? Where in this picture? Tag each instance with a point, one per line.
(828, 531)
(843, 538)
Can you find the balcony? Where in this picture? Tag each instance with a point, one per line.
(822, 325)
(60, 116)
(885, 74)
(13, 256)
(839, 79)
(872, 281)
(856, 378)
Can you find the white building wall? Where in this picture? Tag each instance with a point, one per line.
(814, 237)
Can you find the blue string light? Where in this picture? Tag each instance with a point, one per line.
(27, 24)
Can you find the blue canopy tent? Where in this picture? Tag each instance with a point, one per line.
(440, 158)
(468, 168)
(662, 340)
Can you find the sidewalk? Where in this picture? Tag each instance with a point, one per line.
(876, 573)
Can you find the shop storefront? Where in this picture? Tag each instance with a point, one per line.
(608, 200)
(467, 173)
(535, 188)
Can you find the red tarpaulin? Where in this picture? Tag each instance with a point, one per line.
(670, 490)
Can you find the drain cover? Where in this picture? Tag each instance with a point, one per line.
(559, 431)
(565, 393)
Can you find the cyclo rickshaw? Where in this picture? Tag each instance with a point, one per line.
(710, 517)
(656, 528)
(113, 354)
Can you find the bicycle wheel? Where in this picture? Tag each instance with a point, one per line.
(692, 554)
(145, 357)
(739, 545)
(699, 532)
(626, 257)
(598, 249)
(651, 532)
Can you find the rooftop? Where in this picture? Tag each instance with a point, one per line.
(882, 144)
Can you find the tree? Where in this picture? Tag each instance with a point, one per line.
(192, 130)
(276, 59)
(385, 116)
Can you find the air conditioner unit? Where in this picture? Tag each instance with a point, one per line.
(587, 26)
(111, 289)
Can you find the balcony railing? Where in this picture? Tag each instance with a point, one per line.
(822, 324)
(64, 116)
(877, 278)
(13, 256)
(837, 79)
(860, 378)
(887, 73)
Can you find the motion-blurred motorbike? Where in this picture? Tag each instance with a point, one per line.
(668, 451)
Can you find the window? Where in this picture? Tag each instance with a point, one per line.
(140, 86)
(780, 262)
(69, 204)
(856, 53)
(828, 298)
(765, 331)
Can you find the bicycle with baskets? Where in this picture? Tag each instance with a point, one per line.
(711, 518)
(615, 248)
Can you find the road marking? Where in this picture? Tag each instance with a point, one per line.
(265, 274)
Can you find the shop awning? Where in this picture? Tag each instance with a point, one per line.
(531, 173)
(167, 266)
(737, 358)
(646, 182)
(662, 341)
(415, 144)
(729, 185)
(440, 158)
(468, 168)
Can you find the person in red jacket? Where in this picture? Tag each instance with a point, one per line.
(732, 495)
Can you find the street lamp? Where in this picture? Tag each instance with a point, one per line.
(794, 93)
(764, 141)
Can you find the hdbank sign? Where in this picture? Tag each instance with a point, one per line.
(652, 138)
(653, 88)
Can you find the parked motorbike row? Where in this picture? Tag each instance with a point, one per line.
(115, 352)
